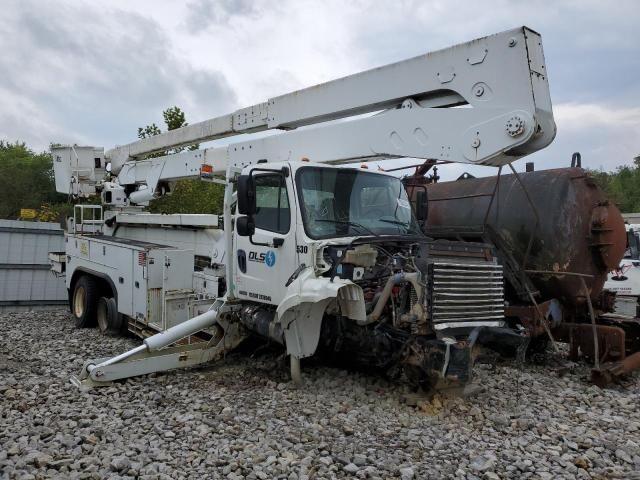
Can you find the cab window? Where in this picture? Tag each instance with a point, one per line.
(272, 204)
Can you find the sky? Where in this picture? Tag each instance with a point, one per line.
(93, 72)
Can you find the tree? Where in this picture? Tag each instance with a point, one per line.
(26, 180)
(187, 196)
(148, 131)
(174, 118)
(622, 186)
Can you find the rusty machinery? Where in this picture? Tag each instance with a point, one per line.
(557, 235)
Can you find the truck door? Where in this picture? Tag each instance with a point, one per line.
(261, 271)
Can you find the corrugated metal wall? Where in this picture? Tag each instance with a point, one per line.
(25, 279)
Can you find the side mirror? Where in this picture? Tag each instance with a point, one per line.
(422, 207)
(245, 226)
(246, 196)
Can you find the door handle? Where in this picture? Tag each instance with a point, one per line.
(242, 261)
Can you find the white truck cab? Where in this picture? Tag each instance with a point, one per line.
(300, 208)
(625, 280)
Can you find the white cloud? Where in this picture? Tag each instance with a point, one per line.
(576, 116)
(606, 135)
(83, 73)
(23, 120)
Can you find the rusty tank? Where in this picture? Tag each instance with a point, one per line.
(569, 226)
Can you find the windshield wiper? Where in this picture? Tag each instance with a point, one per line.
(347, 222)
(395, 222)
(406, 225)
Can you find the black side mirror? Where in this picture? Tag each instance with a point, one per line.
(246, 195)
(422, 207)
(245, 226)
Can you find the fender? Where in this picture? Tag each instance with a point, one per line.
(303, 307)
(83, 270)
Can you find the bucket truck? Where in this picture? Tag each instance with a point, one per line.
(624, 279)
(310, 251)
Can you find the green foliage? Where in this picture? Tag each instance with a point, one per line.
(55, 212)
(191, 197)
(623, 186)
(26, 181)
(188, 196)
(174, 118)
(148, 131)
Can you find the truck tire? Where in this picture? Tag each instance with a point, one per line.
(107, 316)
(84, 302)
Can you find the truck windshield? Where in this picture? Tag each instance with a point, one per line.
(340, 202)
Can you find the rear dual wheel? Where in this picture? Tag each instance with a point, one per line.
(109, 320)
(89, 308)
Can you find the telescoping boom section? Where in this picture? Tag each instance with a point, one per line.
(313, 254)
(501, 77)
(484, 102)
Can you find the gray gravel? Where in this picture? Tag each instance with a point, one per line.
(243, 419)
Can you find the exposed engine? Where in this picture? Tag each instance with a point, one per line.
(427, 303)
(393, 280)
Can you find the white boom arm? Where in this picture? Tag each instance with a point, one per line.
(483, 102)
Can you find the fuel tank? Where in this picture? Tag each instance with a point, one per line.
(575, 227)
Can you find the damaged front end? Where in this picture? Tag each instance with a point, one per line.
(424, 361)
(429, 306)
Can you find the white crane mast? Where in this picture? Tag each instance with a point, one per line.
(501, 77)
(483, 102)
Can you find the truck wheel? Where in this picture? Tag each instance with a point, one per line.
(109, 320)
(84, 300)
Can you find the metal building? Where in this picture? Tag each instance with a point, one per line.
(26, 282)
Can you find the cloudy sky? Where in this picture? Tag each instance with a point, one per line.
(92, 72)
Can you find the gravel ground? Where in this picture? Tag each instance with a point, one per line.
(243, 419)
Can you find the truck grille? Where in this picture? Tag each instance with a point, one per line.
(466, 295)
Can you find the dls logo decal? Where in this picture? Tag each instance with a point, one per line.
(268, 257)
